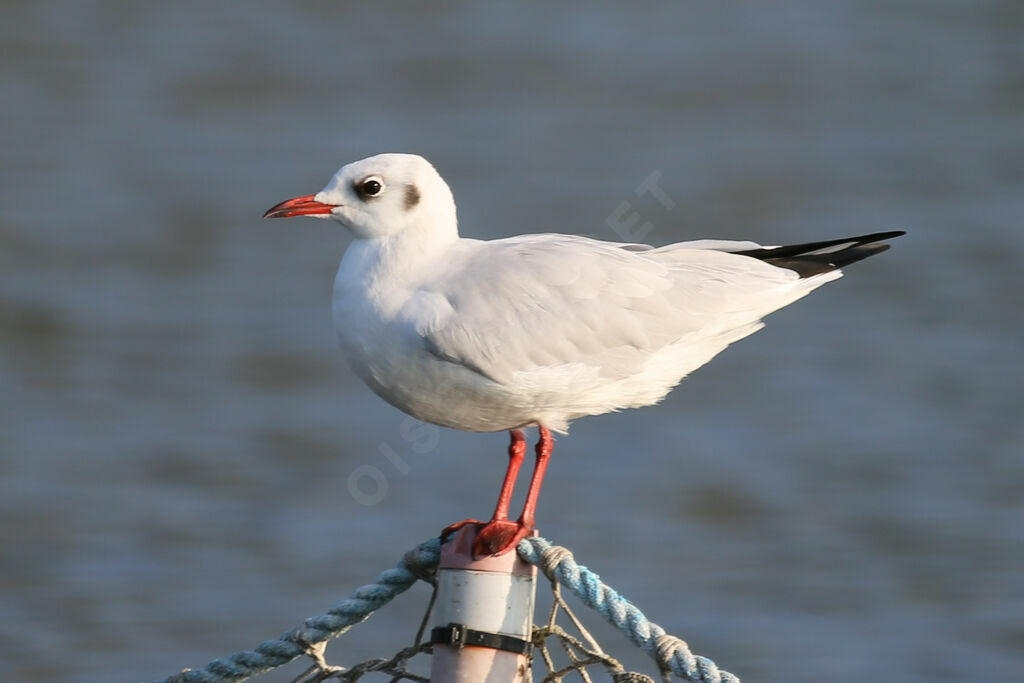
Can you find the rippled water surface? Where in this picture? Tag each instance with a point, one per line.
(838, 498)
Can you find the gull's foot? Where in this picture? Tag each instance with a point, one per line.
(452, 528)
(495, 537)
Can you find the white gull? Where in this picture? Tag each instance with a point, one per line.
(535, 330)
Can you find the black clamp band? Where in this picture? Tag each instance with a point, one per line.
(458, 636)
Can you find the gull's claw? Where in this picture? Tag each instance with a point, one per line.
(498, 537)
(452, 528)
(495, 537)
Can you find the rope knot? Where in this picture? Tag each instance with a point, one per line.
(631, 677)
(551, 557)
(422, 561)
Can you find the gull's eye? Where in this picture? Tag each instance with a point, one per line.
(370, 186)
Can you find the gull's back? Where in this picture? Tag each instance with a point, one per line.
(547, 328)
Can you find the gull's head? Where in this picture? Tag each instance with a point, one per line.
(380, 196)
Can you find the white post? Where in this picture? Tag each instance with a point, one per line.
(483, 615)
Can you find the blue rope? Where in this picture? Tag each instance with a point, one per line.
(418, 562)
(671, 654)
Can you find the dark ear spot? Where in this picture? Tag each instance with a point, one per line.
(412, 196)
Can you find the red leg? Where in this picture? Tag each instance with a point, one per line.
(516, 450)
(499, 536)
(544, 446)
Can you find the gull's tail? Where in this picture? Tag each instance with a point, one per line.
(815, 258)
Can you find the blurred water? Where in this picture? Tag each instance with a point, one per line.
(837, 497)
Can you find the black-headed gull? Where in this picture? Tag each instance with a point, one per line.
(535, 330)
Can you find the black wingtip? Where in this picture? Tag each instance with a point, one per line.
(815, 258)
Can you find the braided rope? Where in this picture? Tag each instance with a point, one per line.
(418, 563)
(671, 653)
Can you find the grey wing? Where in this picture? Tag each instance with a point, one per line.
(545, 300)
